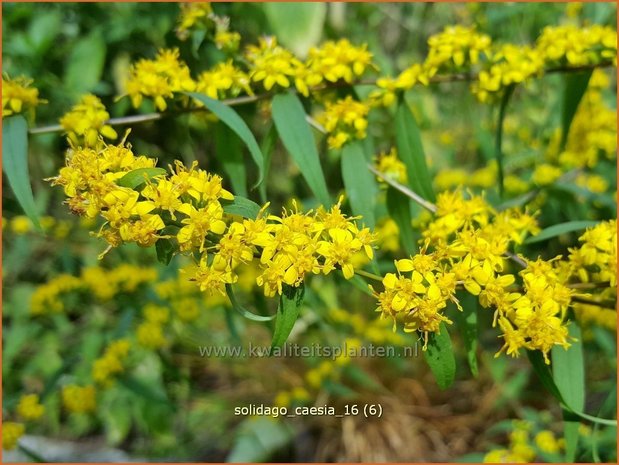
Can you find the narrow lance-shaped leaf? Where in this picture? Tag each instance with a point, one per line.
(296, 134)
(545, 376)
(231, 119)
(242, 207)
(440, 357)
(15, 163)
(399, 207)
(136, 178)
(574, 90)
(287, 313)
(558, 229)
(410, 150)
(230, 154)
(246, 313)
(467, 323)
(267, 146)
(568, 372)
(359, 182)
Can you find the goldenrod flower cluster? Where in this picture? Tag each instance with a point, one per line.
(79, 399)
(11, 432)
(589, 315)
(337, 61)
(520, 449)
(101, 283)
(577, 46)
(596, 259)
(224, 80)
(485, 177)
(390, 165)
(388, 235)
(159, 79)
(470, 242)
(193, 15)
(18, 96)
(455, 48)
(511, 64)
(90, 181)
(272, 64)
(287, 247)
(344, 120)
(85, 123)
(29, 407)
(150, 333)
(106, 368)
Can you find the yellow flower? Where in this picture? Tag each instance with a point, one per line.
(456, 47)
(339, 251)
(158, 79)
(11, 432)
(86, 121)
(77, 399)
(227, 40)
(546, 174)
(547, 442)
(271, 64)
(511, 64)
(150, 335)
(390, 165)
(21, 225)
(578, 46)
(343, 120)
(111, 363)
(223, 81)
(193, 15)
(18, 96)
(334, 61)
(447, 179)
(29, 407)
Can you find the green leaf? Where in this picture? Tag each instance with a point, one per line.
(165, 251)
(242, 207)
(498, 147)
(85, 63)
(359, 182)
(267, 146)
(410, 151)
(568, 372)
(440, 356)
(558, 229)
(287, 313)
(231, 156)
(15, 163)
(609, 406)
(231, 118)
(138, 177)
(297, 25)
(543, 372)
(575, 85)
(246, 313)
(295, 133)
(399, 208)
(467, 322)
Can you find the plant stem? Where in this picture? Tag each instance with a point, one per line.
(373, 276)
(405, 190)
